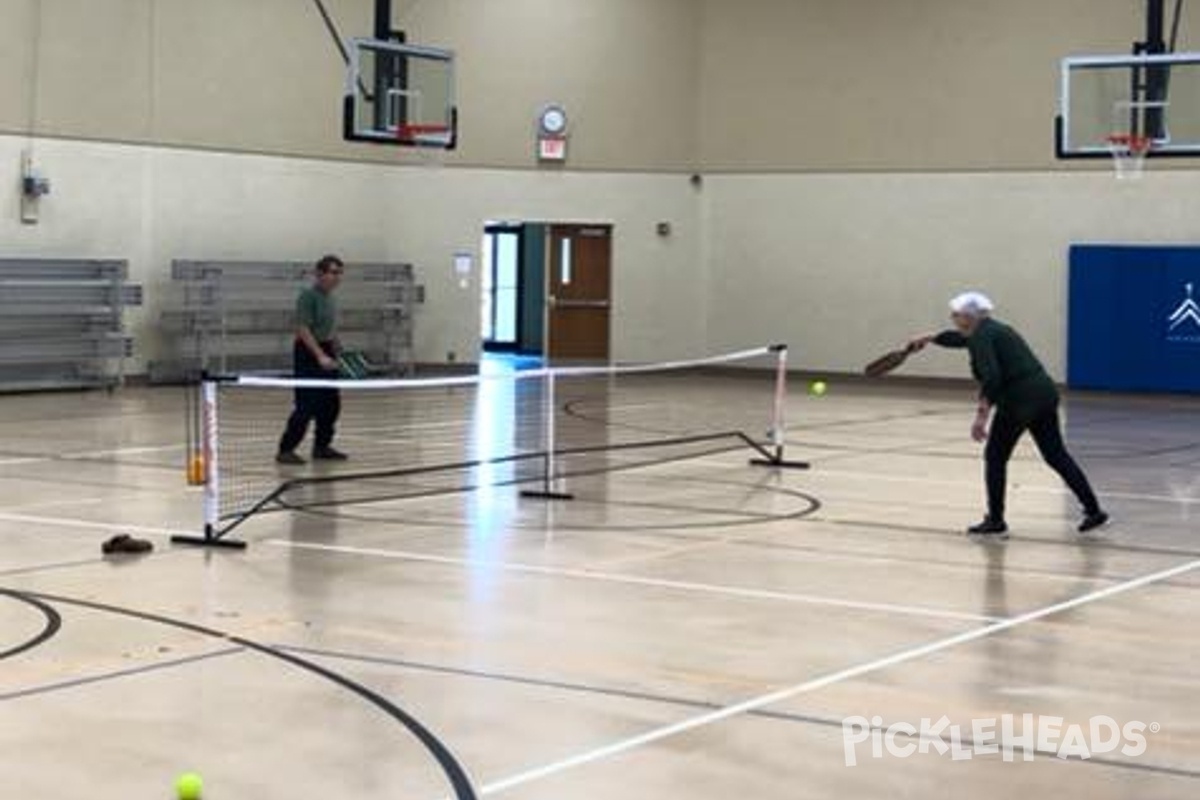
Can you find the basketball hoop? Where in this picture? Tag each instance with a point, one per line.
(429, 143)
(423, 135)
(1129, 151)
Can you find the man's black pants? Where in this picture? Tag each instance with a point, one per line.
(319, 405)
(1047, 434)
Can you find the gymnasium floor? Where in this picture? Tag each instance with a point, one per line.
(696, 629)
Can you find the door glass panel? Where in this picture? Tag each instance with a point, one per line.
(506, 316)
(485, 282)
(564, 262)
(505, 288)
(506, 260)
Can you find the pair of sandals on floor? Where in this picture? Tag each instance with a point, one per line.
(124, 544)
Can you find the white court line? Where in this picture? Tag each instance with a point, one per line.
(74, 501)
(88, 524)
(12, 462)
(772, 698)
(8, 462)
(637, 580)
(122, 451)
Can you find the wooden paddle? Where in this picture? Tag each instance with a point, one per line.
(889, 362)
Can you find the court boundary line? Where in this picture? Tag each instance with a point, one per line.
(786, 693)
(87, 524)
(77, 501)
(33, 569)
(129, 672)
(105, 456)
(742, 592)
(52, 624)
(456, 774)
(668, 700)
(734, 519)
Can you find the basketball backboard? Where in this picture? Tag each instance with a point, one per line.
(400, 94)
(1152, 96)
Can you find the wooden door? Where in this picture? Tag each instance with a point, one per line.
(579, 292)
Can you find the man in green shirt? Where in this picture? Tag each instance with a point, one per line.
(314, 356)
(1014, 384)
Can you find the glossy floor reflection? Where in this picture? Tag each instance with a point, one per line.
(693, 629)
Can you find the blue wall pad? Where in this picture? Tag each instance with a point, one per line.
(1134, 318)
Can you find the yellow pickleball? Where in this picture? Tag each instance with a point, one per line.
(189, 786)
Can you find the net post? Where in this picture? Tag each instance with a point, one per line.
(775, 457)
(211, 453)
(548, 492)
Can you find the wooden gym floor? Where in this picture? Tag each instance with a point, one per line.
(696, 629)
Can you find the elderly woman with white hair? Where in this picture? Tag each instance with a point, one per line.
(1015, 385)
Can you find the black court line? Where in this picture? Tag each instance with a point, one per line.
(50, 628)
(733, 518)
(284, 505)
(675, 700)
(72, 683)
(471, 487)
(455, 774)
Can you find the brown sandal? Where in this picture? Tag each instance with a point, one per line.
(124, 543)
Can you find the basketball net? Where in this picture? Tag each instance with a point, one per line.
(425, 143)
(1129, 152)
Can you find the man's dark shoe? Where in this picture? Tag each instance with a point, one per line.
(288, 457)
(1093, 521)
(990, 527)
(328, 454)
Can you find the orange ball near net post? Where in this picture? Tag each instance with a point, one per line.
(195, 465)
(195, 471)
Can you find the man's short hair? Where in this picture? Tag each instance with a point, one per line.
(328, 263)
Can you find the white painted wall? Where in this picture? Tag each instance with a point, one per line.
(842, 265)
(150, 205)
(837, 265)
(659, 284)
(263, 76)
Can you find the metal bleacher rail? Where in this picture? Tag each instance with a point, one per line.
(62, 323)
(238, 316)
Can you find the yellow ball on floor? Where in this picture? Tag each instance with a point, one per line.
(817, 388)
(189, 786)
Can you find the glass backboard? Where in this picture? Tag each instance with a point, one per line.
(400, 94)
(1152, 96)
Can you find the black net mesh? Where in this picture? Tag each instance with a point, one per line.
(415, 438)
